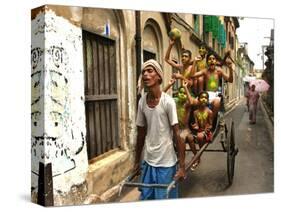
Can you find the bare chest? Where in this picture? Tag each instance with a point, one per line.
(212, 75)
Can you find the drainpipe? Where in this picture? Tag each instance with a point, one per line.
(138, 49)
(138, 43)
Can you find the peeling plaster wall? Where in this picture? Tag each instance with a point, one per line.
(112, 167)
(58, 113)
(129, 17)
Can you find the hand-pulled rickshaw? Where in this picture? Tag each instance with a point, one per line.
(223, 133)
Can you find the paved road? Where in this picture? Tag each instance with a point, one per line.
(253, 168)
(254, 162)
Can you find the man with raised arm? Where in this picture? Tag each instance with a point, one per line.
(184, 68)
(212, 75)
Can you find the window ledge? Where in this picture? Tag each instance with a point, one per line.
(110, 159)
(107, 172)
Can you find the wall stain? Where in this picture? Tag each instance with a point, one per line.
(56, 114)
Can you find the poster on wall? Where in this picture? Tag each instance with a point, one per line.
(131, 105)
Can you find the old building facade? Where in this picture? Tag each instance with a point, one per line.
(268, 72)
(85, 67)
(246, 67)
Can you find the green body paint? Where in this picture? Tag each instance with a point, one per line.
(213, 83)
(202, 117)
(201, 64)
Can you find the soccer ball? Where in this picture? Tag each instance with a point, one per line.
(175, 34)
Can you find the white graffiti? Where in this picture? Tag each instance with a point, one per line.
(58, 122)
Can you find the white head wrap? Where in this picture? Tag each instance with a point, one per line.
(155, 65)
(157, 68)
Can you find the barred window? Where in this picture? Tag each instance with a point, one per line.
(101, 99)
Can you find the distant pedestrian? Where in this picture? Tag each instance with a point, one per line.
(252, 98)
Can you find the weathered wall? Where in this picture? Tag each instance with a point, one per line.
(58, 120)
(109, 169)
(131, 76)
(232, 87)
(156, 20)
(58, 116)
(150, 41)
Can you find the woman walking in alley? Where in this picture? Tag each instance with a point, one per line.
(252, 98)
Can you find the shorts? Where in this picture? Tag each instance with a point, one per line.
(213, 95)
(207, 134)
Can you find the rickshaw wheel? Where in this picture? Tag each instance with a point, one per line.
(231, 154)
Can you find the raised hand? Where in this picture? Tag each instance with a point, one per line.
(198, 58)
(176, 75)
(172, 81)
(229, 63)
(185, 84)
(171, 42)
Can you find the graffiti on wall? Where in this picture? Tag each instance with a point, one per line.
(57, 103)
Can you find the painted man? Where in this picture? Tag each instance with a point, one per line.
(203, 118)
(199, 65)
(183, 109)
(157, 122)
(184, 68)
(212, 75)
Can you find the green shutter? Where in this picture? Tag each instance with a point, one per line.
(211, 23)
(224, 38)
(220, 38)
(207, 23)
(215, 26)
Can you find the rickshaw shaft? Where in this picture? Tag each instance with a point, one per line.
(207, 150)
(131, 184)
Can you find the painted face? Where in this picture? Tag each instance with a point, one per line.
(203, 99)
(185, 58)
(202, 50)
(212, 60)
(182, 95)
